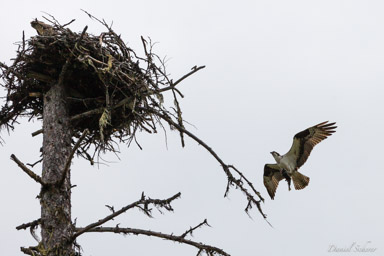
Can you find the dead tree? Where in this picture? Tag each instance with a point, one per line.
(92, 92)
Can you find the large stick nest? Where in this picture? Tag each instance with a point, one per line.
(110, 90)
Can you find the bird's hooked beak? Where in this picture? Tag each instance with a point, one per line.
(274, 153)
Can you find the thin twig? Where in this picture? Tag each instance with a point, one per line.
(194, 70)
(35, 163)
(249, 183)
(207, 248)
(30, 173)
(190, 230)
(66, 24)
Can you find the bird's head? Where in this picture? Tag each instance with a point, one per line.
(276, 156)
(274, 153)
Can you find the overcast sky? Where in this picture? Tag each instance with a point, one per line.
(273, 68)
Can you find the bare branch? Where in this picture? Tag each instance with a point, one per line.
(194, 70)
(190, 230)
(29, 224)
(210, 250)
(142, 204)
(30, 173)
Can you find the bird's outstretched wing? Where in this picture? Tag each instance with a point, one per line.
(272, 176)
(306, 140)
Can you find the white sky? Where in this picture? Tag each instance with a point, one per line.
(273, 69)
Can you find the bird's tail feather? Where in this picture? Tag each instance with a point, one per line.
(299, 180)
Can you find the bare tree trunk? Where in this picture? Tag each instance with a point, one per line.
(56, 199)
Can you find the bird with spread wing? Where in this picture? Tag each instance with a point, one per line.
(287, 165)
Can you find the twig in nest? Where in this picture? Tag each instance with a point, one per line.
(65, 67)
(66, 24)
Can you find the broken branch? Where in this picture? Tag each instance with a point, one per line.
(37, 132)
(30, 173)
(29, 224)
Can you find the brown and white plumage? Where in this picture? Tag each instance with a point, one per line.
(306, 140)
(288, 164)
(272, 177)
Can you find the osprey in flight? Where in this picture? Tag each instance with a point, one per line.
(287, 165)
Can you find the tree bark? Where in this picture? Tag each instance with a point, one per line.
(55, 198)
